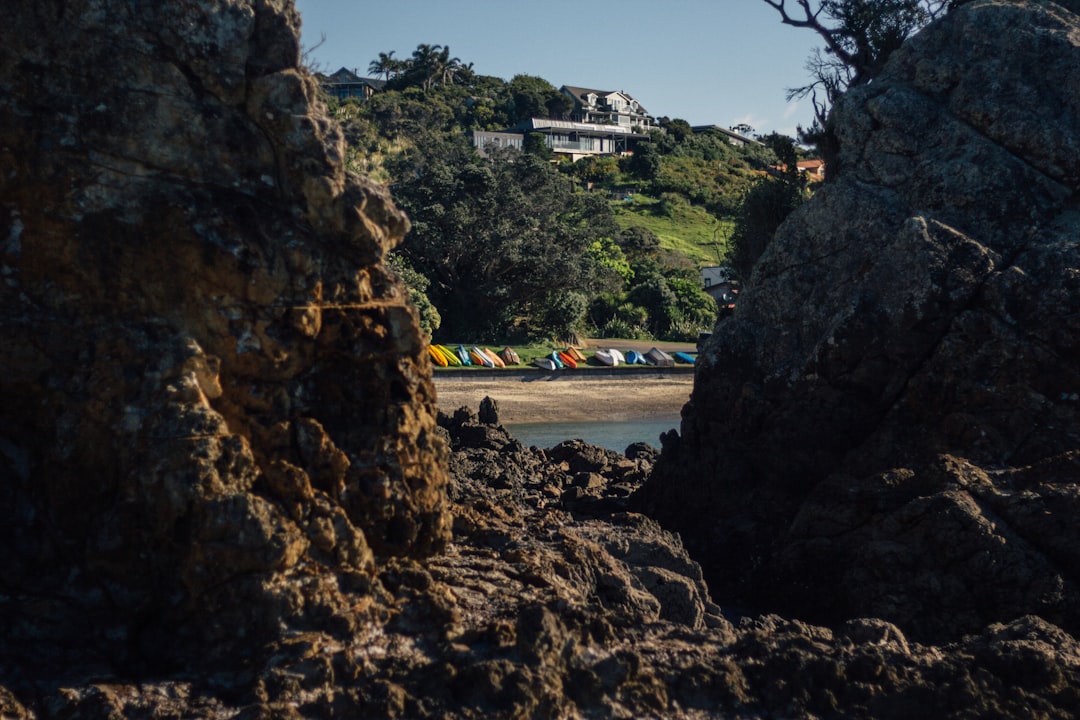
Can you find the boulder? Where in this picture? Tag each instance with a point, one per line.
(895, 400)
(211, 381)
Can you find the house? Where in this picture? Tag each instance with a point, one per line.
(600, 123)
(607, 107)
(732, 137)
(345, 84)
(720, 283)
(483, 139)
(813, 169)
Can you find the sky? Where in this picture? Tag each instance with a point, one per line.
(709, 62)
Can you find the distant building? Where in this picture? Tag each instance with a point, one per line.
(607, 107)
(483, 140)
(601, 122)
(732, 137)
(813, 169)
(346, 84)
(720, 283)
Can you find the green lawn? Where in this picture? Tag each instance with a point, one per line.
(688, 229)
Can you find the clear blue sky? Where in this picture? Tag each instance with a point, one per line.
(705, 61)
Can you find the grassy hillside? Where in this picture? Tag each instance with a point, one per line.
(681, 227)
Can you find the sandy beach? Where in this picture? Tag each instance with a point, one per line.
(570, 396)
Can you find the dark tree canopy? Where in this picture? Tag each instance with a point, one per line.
(499, 238)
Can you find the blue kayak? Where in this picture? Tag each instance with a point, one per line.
(685, 358)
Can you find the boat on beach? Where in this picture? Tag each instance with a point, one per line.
(545, 363)
(658, 357)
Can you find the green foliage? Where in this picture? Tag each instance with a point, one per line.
(686, 231)
(513, 245)
(563, 314)
(644, 164)
(610, 260)
(767, 204)
(498, 238)
(536, 144)
(417, 286)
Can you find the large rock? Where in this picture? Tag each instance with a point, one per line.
(889, 425)
(210, 380)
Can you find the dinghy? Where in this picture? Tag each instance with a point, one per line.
(606, 357)
(658, 357)
(545, 363)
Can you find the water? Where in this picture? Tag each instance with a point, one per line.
(611, 435)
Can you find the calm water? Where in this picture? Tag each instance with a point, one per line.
(611, 435)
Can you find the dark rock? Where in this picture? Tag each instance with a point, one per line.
(225, 495)
(211, 382)
(489, 411)
(905, 348)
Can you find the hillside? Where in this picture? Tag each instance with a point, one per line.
(684, 229)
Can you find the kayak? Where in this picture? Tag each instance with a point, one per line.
(545, 363)
(437, 357)
(567, 360)
(509, 356)
(685, 358)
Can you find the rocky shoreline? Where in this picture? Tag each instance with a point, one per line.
(228, 492)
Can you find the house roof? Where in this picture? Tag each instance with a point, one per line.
(344, 76)
(581, 94)
(724, 131)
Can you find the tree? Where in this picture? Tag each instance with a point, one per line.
(417, 286)
(859, 36)
(644, 164)
(767, 204)
(498, 238)
(386, 65)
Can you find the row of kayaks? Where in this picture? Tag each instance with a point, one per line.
(610, 357)
(570, 357)
(475, 356)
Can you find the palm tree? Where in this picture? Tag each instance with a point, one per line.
(425, 64)
(387, 65)
(447, 66)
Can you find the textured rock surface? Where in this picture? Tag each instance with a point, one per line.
(551, 603)
(224, 491)
(889, 425)
(210, 382)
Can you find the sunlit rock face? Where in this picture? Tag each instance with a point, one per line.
(209, 379)
(889, 425)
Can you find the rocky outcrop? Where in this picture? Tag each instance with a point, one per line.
(889, 426)
(210, 381)
(225, 490)
(544, 607)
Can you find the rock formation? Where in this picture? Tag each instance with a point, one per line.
(226, 492)
(889, 426)
(209, 379)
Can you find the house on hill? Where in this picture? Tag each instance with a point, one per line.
(732, 137)
(345, 84)
(601, 122)
(607, 107)
(720, 283)
(813, 169)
